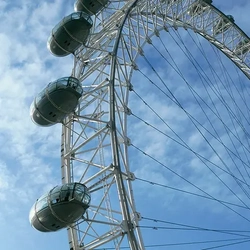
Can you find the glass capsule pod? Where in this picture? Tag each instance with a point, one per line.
(198, 7)
(62, 206)
(243, 47)
(91, 7)
(56, 101)
(223, 24)
(69, 34)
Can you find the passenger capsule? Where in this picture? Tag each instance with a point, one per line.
(56, 101)
(62, 206)
(198, 7)
(91, 7)
(223, 24)
(68, 35)
(242, 48)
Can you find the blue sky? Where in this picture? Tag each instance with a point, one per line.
(30, 155)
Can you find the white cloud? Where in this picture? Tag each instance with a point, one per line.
(30, 155)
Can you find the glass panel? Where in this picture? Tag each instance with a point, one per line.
(79, 89)
(78, 192)
(55, 195)
(75, 15)
(32, 108)
(61, 84)
(51, 87)
(86, 199)
(66, 192)
(80, 187)
(81, 193)
(75, 84)
(71, 186)
(41, 204)
(32, 213)
(86, 17)
(40, 96)
(57, 27)
(63, 81)
(78, 195)
(43, 196)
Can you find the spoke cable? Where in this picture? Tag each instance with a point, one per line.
(202, 158)
(204, 137)
(225, 71)
(226, 231)
(186, 192)
(186, 180)
(191, 58)
(239, 241)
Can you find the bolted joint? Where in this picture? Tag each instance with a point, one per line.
(148, 40)
(136, 216)
(131, 176)
(130, 87)
(134, 66)
(127, 226)
(127, 110)
(140, 51)
(156, 32)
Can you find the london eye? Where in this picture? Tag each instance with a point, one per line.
(143, 127)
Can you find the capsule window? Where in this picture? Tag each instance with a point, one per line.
(66, 192)
(78, 195)
(75, 15)
(41, 204)
(86, 199)
(55, 196)
(51, 87)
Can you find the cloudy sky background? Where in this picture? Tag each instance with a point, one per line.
(29, 156)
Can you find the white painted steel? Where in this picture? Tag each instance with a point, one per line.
(94, 139)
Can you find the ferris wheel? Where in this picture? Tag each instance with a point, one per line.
(118, 52)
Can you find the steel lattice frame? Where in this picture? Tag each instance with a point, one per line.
(94, 139)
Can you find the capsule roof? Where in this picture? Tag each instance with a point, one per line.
(92, 7)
